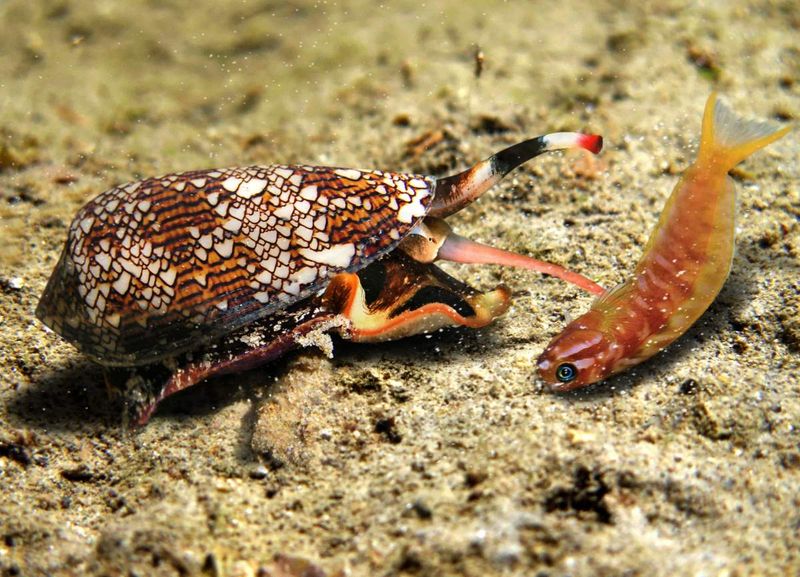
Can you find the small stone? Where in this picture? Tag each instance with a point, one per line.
(79, 474)
(473, 478)
(389, 429)
(420, 509)
(259, 472)
(578, 437)
(12, 284)
(688, 387)
(15, 452)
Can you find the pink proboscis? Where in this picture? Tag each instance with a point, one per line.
(456, 248)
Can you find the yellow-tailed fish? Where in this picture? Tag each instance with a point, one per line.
(682, 269)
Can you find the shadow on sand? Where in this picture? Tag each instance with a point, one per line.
(74, 398)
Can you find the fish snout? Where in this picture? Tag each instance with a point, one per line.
(573, 360)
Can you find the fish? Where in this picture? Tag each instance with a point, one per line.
(682, 269)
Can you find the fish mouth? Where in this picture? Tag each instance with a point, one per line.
(562, 387)
(542, 367)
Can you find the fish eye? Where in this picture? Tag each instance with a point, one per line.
(566, 372)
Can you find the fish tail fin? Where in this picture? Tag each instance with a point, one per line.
(727, 138)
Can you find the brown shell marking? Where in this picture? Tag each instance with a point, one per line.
(156, 267)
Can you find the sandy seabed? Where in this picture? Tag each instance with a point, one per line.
(437, 455)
